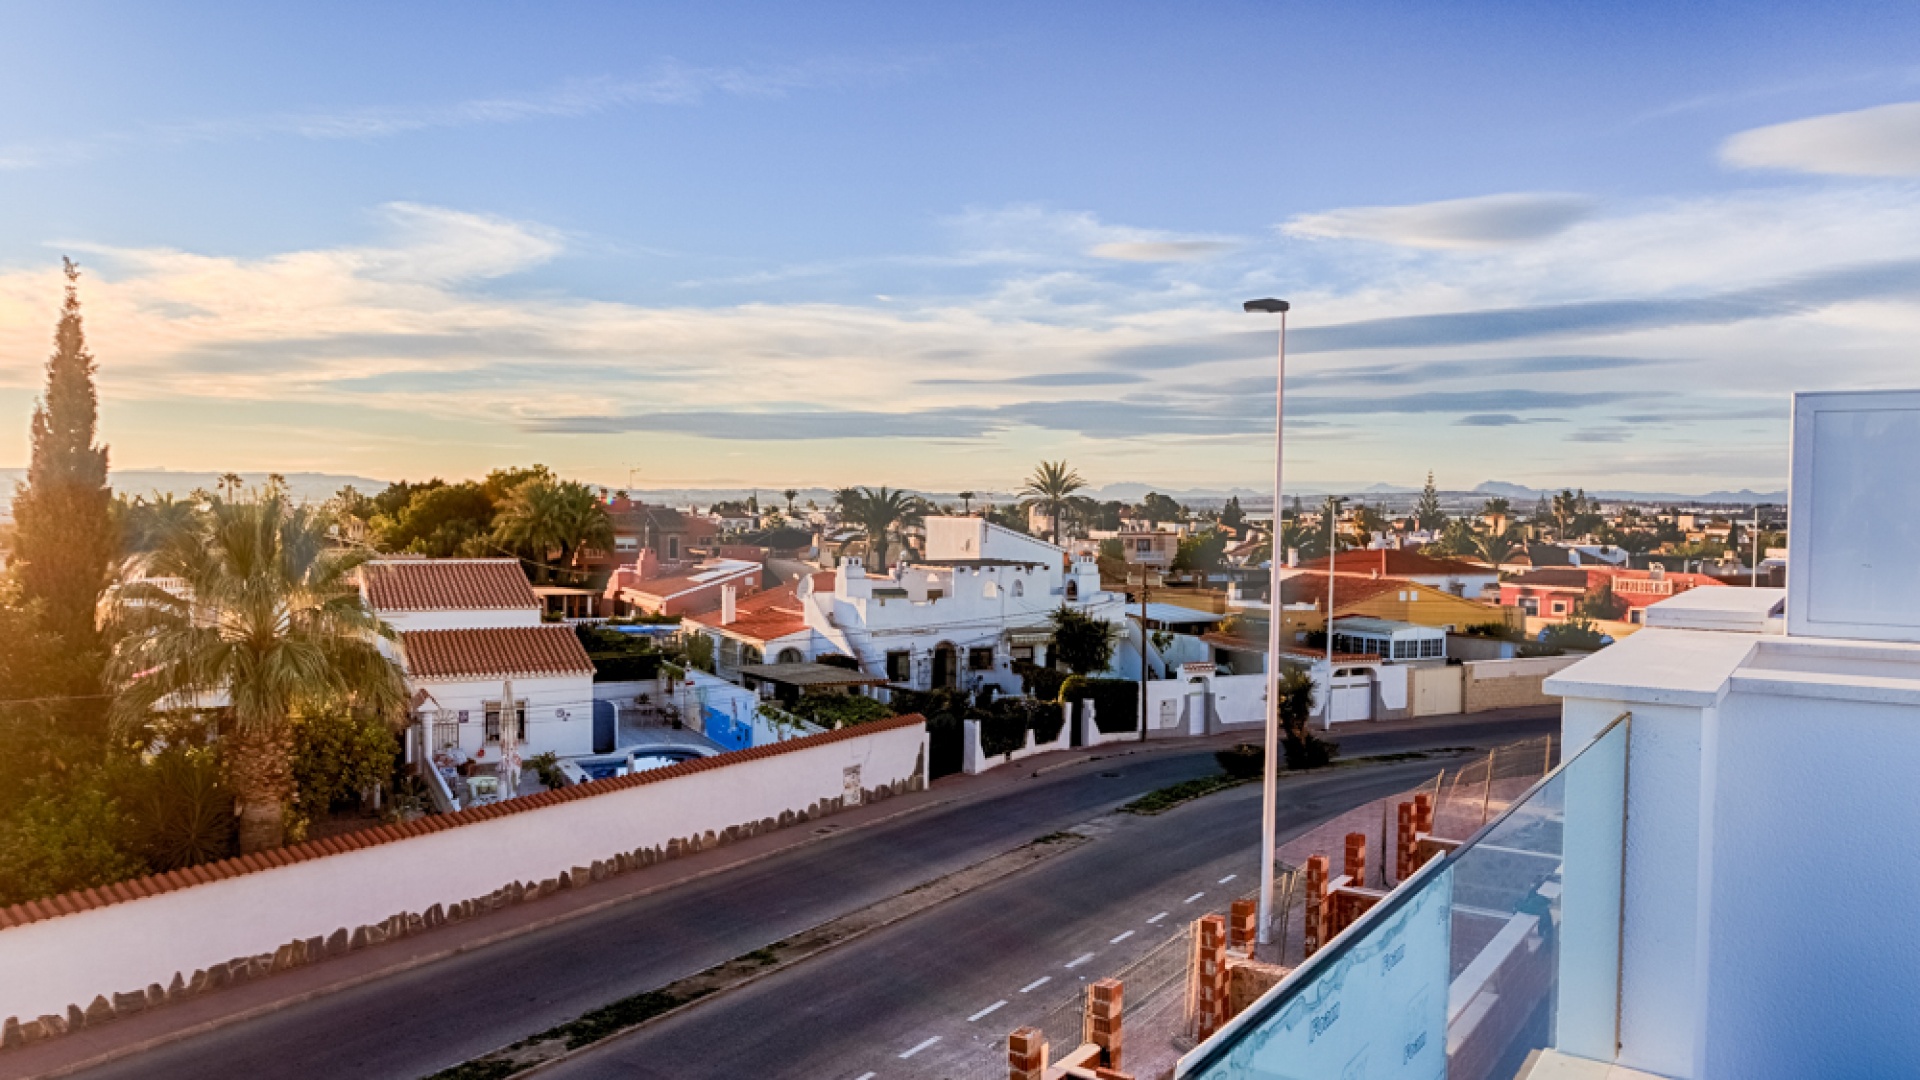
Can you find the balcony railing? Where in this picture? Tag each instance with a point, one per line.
(1506, 945)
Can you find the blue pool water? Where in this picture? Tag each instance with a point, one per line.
(601, 768)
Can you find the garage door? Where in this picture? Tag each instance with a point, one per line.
(1352, 698)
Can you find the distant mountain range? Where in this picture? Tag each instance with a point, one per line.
(1520, 492)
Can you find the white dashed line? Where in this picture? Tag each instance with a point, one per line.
(1121, 938)
(1156, 918)
(866, 1076)
(1228, 878)
(921, 1047)
(987, 1010)
(1194, 897)
(1078, 960)
(1036, 984)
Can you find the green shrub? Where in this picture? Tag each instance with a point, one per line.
(64, 840)
(1041, 684)
(547, 767)
(625, 667)
(839, 710)
(1002, 733)
(179, 808)
(1242, 761)
(339, 754)
(1116, 702)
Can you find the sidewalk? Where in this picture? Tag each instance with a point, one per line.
(133, 1035)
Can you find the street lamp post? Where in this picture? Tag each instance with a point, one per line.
(1272, 768)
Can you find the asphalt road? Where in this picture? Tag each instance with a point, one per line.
(863, 1003)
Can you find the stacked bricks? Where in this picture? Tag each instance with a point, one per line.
(1026, 1054)
(1210, 1002)
(1104, 1000)
(1243, 923)
(1405, 843)
(1423, 815)
(1355, 863)
(1314, 909)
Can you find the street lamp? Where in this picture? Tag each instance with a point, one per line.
(1272, 768)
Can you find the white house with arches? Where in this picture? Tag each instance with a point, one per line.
(980, 599)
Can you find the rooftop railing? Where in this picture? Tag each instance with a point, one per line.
(1506, 945)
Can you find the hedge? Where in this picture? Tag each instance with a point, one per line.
(1116, 702)
(625, 667)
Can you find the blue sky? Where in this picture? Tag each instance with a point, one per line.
(736, 244)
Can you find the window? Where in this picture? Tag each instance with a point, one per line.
(1144, 544)
(980, 659)
(626, 543)
(1431, 648)
(673, 547)
(1559, 607)
(790, 656)
(493, 721)
(1019, 588)
(899, 666)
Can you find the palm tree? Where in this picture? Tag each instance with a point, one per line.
(1496, 513)
(230, 484)
(545, 515)
(966, 502)
(880, 512)
(1048, 488)
(790, 494)
(1494, 548)
(270, 618)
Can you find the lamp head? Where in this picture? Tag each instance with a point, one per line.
(1268, 306)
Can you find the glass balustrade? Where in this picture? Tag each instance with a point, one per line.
(1505, 945)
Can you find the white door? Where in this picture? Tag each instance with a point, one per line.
(1352, 698)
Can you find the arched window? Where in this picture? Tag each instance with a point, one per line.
(1019, 588)
(750, 654)
(990, 590)
(1073, 590)
(789, 656)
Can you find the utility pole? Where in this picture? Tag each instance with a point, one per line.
(1333, 545)
(1271, 764)
(1144, 571)
(1754, 577)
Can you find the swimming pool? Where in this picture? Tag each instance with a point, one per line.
(600, 768)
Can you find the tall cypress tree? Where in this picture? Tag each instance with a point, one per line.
(63, 538)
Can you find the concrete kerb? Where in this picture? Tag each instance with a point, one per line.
(410, 963)
(974, 787)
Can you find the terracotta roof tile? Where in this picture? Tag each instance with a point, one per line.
(764, 616)
(447, 585)
(510, 650)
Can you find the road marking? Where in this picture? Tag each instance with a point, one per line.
(1156, 918)
(1078, 960)
(1121, 938)
(1194, 897)
(921, 1047)
(866, 1076)
(985, 1011)
(1228, 878)
(1036, 984)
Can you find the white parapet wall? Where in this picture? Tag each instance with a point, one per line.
(976, 760)
(153, 931)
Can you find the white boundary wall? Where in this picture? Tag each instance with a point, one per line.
(126, 946)
(976, 761)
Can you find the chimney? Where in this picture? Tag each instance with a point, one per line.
(728, 611)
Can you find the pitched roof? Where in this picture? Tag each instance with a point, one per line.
(446, 585)
(140, 888)
(764, 616)
(1554, 577)
(1394, 562)
(700, 577)
(1309, 588)
(496, 651)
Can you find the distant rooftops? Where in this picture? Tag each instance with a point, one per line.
(1394, 562)
(446, 585)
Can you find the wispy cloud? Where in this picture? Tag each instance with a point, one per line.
(668, 83)
(1485, 221)
(1881, 141)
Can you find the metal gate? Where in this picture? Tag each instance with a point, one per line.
(946, 746)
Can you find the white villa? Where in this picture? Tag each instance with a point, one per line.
(980, 600)
(467, 629)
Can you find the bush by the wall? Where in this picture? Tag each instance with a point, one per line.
(1041, 684)
(1242, 761)
(625, 667)
(1116, 702)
